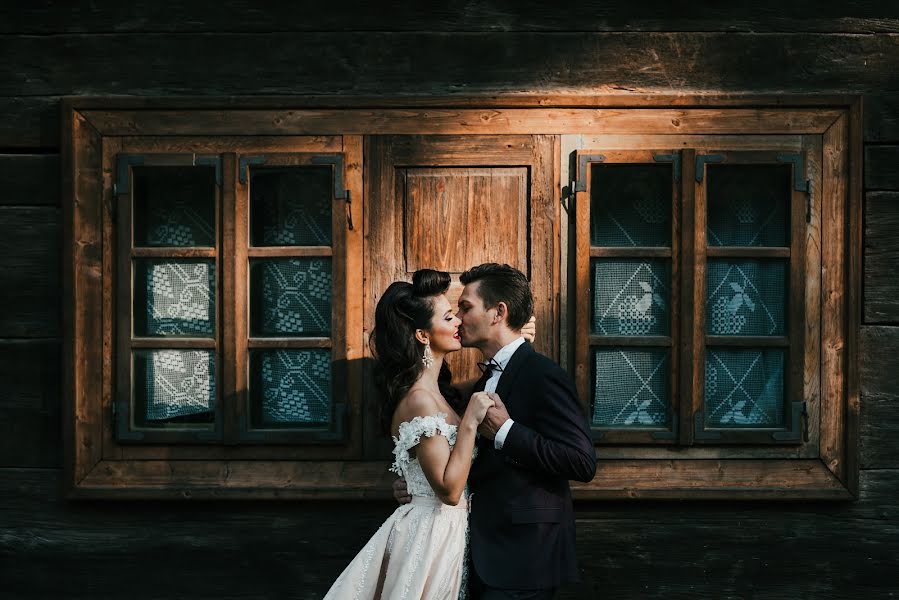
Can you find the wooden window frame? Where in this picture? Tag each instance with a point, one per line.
(689, 254)
(586, 343)
(127, 341)
(94, 129)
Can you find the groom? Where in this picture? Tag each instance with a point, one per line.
(531, 443)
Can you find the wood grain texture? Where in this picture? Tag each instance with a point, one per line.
(350, 63)
(86, 191)
(881, 288)
(881, 117)
(879, 397)
(882, 167)
(30, 251)
(811, 378)
(834, 212)
(29, 179)
(105, 16)
(33, 121)
(459, 217)
(412, 120)
(707, 550)
(30, 433)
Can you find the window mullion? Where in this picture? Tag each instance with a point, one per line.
(233, 246)
(689, 301)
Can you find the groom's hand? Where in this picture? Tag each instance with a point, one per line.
(400, 492)
(496, 416)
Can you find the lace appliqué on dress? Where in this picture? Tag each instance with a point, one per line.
(410, 434)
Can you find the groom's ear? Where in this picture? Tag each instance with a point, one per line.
(502, 311)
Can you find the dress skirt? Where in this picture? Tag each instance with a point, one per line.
(420, 552)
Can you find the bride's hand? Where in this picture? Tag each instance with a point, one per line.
(478, 405)
(529, 331)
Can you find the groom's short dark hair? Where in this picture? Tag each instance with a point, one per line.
(502, 283)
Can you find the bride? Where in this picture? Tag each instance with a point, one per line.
(421, 549)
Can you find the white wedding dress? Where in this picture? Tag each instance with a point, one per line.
(421, 549)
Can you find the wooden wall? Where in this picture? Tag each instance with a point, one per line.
(50, 548)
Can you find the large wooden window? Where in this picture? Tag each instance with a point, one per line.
(692, 314)
(279, 380)
(695, 265)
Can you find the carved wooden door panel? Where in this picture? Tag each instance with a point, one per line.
(452, 202)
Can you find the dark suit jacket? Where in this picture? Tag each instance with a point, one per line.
(522, 523)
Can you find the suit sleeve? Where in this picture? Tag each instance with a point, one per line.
(560, 443)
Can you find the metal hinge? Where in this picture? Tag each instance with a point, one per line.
(800, 183)
(349, 211)
(675, 159)
(246, 161)
(124, 162)
(702, 159)
(580, 185)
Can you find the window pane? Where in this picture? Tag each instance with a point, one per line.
(174, 297)
(291, 206)
(631, 387)
(746, 297)
(174, 387)
(749, 205)
(744, 388)
(630, 205)
(290, 296)
(290, 387)
(631, 297)
(174, 206)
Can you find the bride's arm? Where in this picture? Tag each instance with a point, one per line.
(447, 469)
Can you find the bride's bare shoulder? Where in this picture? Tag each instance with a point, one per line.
(417, 403)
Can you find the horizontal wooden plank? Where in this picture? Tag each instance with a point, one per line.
(172, 342)
(729, 550)
(879, 427)
(288, 251)
(630, 340)
(29, 179)
(34, 121)
(881, 114)
(882, 167)
(881, 286)
(29, 122)
(107, 16)
(447, 121)
(445, 63)
(711, 479)
(746, 252)
(627, 252)
(296, 550)
(30, 262)
(173, 252)
(618, 479)
(764, 341)
(30, 434)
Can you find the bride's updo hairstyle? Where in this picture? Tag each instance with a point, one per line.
(403, 308)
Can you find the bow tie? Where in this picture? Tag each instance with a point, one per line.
(489, 367)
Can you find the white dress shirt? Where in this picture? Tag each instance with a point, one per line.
(502, 358)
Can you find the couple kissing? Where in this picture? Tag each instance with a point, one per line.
(485, 505)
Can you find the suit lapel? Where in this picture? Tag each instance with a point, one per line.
(513, 368)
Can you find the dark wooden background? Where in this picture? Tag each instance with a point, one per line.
(50, 548)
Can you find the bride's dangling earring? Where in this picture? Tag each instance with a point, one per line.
(427, 357)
